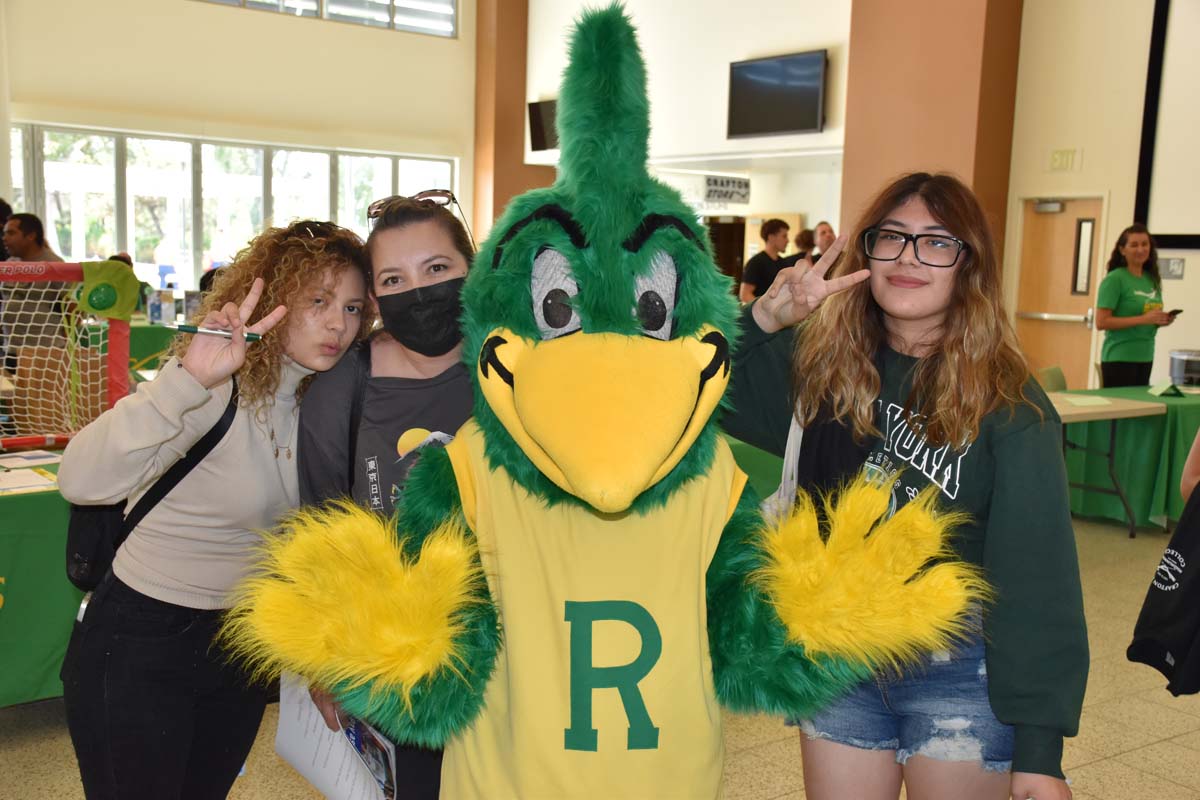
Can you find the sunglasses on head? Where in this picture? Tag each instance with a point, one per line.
(440, 198)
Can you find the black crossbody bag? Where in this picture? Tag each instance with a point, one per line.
(95, 532)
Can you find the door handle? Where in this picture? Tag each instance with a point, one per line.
(1048, 317)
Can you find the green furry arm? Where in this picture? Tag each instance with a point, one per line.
(755, 667)
(439, 706)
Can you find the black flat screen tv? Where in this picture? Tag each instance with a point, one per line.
(776, 95)
(542, 133)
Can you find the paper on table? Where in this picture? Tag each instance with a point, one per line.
(20, 481)
(1085, 399)
(29, 458)
(325, 758)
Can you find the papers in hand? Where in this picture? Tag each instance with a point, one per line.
(357, 764)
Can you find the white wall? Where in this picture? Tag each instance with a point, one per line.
(200, 69)
(1081, 85)
(813, 191)
(688, 49)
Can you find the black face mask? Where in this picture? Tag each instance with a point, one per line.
(425, 320)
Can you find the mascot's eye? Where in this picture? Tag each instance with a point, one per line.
(554, 291)
(655, 297)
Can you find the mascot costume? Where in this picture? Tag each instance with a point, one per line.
(579, 581)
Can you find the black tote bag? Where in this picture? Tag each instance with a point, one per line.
(1167, 634)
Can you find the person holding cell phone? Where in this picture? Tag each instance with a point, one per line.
(1129, 309)
(405, 389)
(154, 707)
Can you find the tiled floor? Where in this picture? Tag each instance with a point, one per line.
(1135, 740)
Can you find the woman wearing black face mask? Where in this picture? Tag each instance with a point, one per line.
(364, 422)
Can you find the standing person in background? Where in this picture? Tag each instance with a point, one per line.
(760, 271)
(804, 247)
(824, 236)
(1129, 309)
(154, 707)
(907, 370)
(5, 212)
(366, 421)
(30, 314)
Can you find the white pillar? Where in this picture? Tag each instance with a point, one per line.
(5, 119)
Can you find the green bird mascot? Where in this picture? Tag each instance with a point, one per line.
(574, 587)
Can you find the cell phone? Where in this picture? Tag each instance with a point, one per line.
(1175, 312)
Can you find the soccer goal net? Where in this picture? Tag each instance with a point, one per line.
(64, 361)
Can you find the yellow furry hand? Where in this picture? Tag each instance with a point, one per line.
(868, 593)
(336, 599)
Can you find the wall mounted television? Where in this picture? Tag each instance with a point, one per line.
(542, 133)
(777, 95)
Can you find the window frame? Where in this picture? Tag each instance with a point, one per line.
(323, 15)
(35, 187)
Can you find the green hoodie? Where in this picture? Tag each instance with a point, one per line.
(1010, 479)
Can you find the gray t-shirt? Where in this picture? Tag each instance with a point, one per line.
(400, 416)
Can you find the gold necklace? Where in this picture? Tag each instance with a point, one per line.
(287, 448)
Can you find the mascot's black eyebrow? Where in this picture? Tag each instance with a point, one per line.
(550, 211)
(650, 224)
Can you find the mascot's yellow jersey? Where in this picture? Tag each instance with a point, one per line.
(603, 685)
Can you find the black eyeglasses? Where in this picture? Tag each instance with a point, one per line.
(931, 249)
(431, 197)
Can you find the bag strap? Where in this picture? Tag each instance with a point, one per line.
(362, 371)
(781, 501)
(171, 478)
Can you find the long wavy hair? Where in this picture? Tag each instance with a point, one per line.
(1150, 268)
(975, 366)
(291, 261)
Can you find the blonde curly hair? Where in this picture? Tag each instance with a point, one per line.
(290, 261)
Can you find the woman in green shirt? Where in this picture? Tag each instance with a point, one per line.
(1129, 309)
(908, 370)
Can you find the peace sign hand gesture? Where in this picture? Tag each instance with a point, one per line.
(212, 359)
(799, 289)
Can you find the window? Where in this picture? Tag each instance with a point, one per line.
(180, 206)
(299, 8)
(158, 216)
(17, 143)
(363, 12)
(299, 186)
(233, 200)
(417, 176)
(361, 180)
(436, 17)
(81, 195)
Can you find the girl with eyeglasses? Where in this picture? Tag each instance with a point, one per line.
(154, 707)
(365, 422)
(904, 367)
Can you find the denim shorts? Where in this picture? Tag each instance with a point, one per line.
(939, 710)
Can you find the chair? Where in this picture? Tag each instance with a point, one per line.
(1052, 379)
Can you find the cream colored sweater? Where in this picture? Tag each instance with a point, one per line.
(200, 539)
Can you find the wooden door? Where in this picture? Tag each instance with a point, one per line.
(728, 237)
(1059, 276)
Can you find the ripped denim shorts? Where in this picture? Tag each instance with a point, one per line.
(939, 710)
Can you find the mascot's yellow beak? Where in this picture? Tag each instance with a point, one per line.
(602, 415)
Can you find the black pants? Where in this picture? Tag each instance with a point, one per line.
(1125, 373)
(154, 710)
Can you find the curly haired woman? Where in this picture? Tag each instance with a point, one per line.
(153, 708)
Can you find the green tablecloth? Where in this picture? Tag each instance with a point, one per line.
(1150, 454)
(762, 469)
(37, 603)
(146, 343)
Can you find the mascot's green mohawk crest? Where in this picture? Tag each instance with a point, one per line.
(599, 327)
